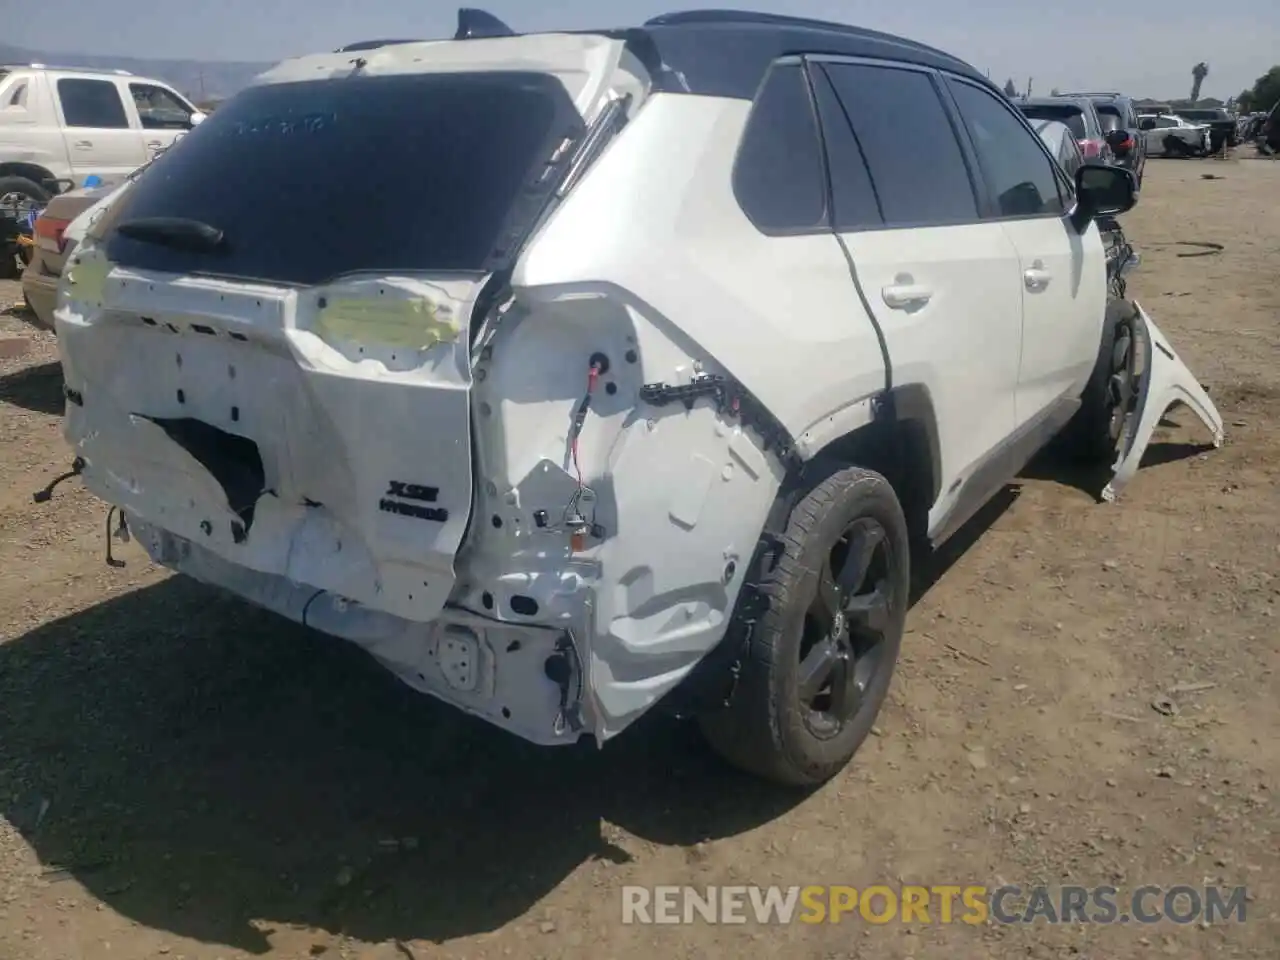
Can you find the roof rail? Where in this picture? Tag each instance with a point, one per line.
(69, 69)
(743, 17)
(476, 24)
(750, 17)
(371, 45)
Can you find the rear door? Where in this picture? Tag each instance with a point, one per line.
(942, 283)
(1063, 282)
(100, 137)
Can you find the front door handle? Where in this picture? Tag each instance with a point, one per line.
(904, 296)
(1036, 277)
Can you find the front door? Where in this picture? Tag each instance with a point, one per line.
(162, 115)
(1063, 273)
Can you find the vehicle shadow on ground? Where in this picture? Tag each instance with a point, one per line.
(38, 389)
(199, 765)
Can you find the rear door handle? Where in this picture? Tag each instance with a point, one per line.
(903, 296)
(154, 144)
(84, 144)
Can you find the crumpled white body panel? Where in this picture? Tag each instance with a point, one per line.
(1166, 380)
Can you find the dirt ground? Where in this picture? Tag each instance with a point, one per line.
(184, 776)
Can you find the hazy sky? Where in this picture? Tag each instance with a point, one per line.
(1143, 47)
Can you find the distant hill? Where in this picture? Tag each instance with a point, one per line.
(199, 80)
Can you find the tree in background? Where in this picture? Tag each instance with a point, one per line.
(1054, 92)
(1198, 73)
(1010, 90)
(1263, 95)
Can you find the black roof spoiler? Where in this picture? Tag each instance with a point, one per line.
(473, 24)
(476, 24)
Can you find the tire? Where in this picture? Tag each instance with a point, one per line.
(768, 729)
(28, 188)
(1093, 435)
(33, 191)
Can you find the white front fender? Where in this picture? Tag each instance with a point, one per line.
(1165, 381)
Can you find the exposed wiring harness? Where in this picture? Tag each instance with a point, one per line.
(573, 518)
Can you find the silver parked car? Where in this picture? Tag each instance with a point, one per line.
(1061, 141)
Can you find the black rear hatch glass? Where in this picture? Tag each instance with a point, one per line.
(307, 181)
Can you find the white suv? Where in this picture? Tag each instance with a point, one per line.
(65, 124)
(570, 373)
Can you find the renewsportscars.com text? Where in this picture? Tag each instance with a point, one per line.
(944, 903)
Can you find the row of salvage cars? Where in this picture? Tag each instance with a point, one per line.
(1107, 128)
(649, 389)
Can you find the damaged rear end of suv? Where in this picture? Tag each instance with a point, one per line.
(356, 353)
(573, 373)
(272, 347)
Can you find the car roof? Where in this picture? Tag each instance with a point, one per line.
(1081, 102)
(726, 53)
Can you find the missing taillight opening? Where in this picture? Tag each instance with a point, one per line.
(51, 229)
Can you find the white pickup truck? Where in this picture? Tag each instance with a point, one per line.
(65, 124)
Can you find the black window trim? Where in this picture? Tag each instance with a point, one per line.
(823, 226)
(1066, 192)
(976, 182)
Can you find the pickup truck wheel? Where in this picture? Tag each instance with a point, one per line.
(820, 659)
(1094, 433)
(16, 192)
(18, 189)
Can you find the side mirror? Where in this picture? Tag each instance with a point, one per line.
(1103, 191)
(197, 118)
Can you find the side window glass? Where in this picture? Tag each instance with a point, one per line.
(1019, 174)
(853, 197)
(907, 144)
(778, 176)
(92, 103)
(158, 109)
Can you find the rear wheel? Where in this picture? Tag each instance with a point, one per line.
(1111, 394)
(819, 662)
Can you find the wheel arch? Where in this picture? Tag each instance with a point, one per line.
(901, 442)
